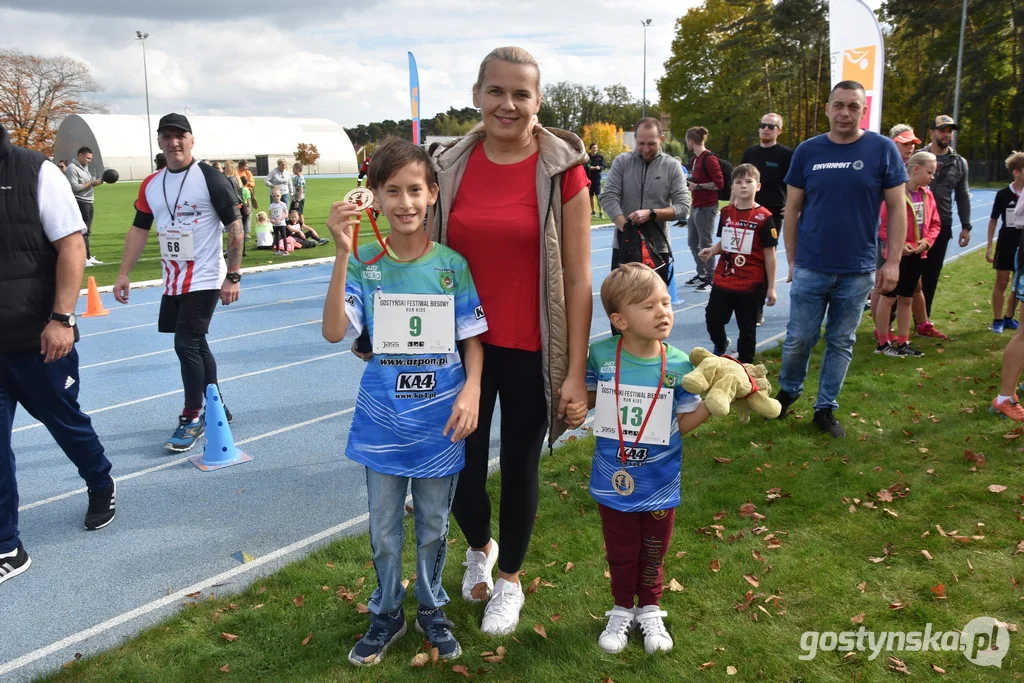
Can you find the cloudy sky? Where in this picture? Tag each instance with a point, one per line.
(336, 59)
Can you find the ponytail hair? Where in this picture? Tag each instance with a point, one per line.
(697, 134)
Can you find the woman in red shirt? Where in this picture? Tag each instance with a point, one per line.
(514, 203)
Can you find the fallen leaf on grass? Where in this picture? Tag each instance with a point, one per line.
(752, 580)
(299, 600)
(261, 590)
(551, 564)
(532, 588)
(540, 630)
(896, 606)
(715, 565)
(419, 660)
(927, 555)
(461, 670)
(857, 618)
(705, 665)
(849, 655)
(556, 618)
(756, 554)
(230, 637)
(723, 461)
(226, 668)
(731, 670)
(937, 669)
(862, 585)
(595, 618)
(568, 567)
(876, 560)
(193, 595)
(675, 586)
(435, 654)
(256, 607)
(747, 509)
(305, 641)
(681, 553)
(899, 665)
(889, 512)
(362, 609)
(940, 591)
(360, 581)
(996, 488)
(479, 591)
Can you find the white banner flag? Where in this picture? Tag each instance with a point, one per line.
(858, 53)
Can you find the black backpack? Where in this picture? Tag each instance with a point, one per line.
(633, 248)
(726, 192)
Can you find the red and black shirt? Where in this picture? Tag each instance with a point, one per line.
(745, 234)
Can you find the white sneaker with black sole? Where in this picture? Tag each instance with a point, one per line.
(14, 563)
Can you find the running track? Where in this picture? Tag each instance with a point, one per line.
(292, 394)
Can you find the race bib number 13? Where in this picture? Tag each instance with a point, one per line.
(176, 245)
(413, 323)
(630, 414)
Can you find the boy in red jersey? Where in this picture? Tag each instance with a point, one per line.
(745, 274)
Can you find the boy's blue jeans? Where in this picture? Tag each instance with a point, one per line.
(431, 501)
(811, 295)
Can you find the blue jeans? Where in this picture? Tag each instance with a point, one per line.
(812, 294)
(431, 501)
(49, 392)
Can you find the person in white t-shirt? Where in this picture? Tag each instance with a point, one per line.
(190, 203)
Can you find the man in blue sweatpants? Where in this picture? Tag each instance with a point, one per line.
(42, 259)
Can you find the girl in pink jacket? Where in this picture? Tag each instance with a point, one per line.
(922, 228)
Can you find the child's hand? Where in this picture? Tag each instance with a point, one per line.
(465, 412)
(575, 414)
(908, 248)
(342, 221)
(705, 254)
(988, 254)
(771, 297)
(922, 247)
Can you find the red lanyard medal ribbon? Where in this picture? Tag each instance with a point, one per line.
(363, 198)
(650, 409)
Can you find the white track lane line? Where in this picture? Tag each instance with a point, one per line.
(223, 310)
(244, 289)
(254, 373)
(212, 341)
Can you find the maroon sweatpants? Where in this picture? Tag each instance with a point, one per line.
(635, 546)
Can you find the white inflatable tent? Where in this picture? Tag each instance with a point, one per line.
(121, 141)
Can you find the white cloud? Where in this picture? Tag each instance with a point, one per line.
(342, 61)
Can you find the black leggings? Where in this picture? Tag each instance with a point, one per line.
(281, 234)
(198, 367)
(517, 378)
(931, 267)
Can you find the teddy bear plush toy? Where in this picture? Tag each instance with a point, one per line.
(725, 382)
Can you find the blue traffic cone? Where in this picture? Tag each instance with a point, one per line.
(673, 291)
(220, 450)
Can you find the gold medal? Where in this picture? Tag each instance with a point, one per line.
(359, 196)
(622, 482)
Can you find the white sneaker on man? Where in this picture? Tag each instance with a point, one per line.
(615, 636)
(501, 616)
(479, 566)
(93, 261)
(656, 637)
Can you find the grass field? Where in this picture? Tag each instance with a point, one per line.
(892, 528)
(115, 213)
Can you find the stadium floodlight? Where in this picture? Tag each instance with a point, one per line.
(643, 105)
(141, 37)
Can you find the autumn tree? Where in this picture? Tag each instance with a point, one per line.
(307, 154)
(36, 93)
(607, 136)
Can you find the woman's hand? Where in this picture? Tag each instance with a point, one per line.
(574, 390)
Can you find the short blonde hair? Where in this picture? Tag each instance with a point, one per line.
(628, 284)
(282, 161)
(920, 159)
(230, 168)
(778, 119)
(261, 216)
(1015, 161)
(510, 54)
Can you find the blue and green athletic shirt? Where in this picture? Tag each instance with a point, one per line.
(655, 469)
(405, 401)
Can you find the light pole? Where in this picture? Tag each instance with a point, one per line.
(140, 36)
(959, 69)
(643, 105)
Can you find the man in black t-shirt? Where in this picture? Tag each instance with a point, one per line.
(594, 167)
(772, 160)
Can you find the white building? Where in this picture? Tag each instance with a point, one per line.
(121, 141)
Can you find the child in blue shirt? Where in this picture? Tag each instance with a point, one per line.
(635, 477)
(416, 401)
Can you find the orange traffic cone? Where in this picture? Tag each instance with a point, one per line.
(94, 307)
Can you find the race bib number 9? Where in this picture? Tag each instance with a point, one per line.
(413, 323)
(630, 413)
(176, 245)
(737, 241)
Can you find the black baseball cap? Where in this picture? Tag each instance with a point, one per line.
(174, 121)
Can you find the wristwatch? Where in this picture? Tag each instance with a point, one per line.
(67, 320)
(234, 277)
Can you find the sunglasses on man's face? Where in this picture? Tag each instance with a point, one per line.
(769, 126)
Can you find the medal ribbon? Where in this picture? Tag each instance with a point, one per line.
(384, 242)
(650, 410)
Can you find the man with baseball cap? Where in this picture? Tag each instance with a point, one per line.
(190, 211)
(949, 183)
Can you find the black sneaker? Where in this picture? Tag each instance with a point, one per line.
(15, 564)
(786, 399)
(827, 422)
(884, 349)
(905, 350)
(384, 630)
(704, 286)
(722, 351)
(695, 280)
(101, 507)
(437, 629)
(760, 319)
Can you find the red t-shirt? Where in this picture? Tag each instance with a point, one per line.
(495, 225)
(745, 234)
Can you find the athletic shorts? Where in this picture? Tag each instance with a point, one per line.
(910, 273)
(595, 187)
(190, 312)
(1006, 249)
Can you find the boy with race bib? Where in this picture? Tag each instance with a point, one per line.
(416, 402)
(744, 278)
(635, 383)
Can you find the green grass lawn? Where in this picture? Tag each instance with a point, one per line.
(115, 212)
(831, 550)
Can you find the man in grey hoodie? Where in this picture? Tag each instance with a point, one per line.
(647, 188)
(82, 182)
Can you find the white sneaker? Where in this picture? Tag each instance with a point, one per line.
(478, 570)
(88, 263)
(501, 615)
(93, 261)
(648, 620)
(616, 634)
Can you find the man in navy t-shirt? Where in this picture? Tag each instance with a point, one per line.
(837, 182)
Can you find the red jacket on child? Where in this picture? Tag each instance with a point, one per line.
(930, 229)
